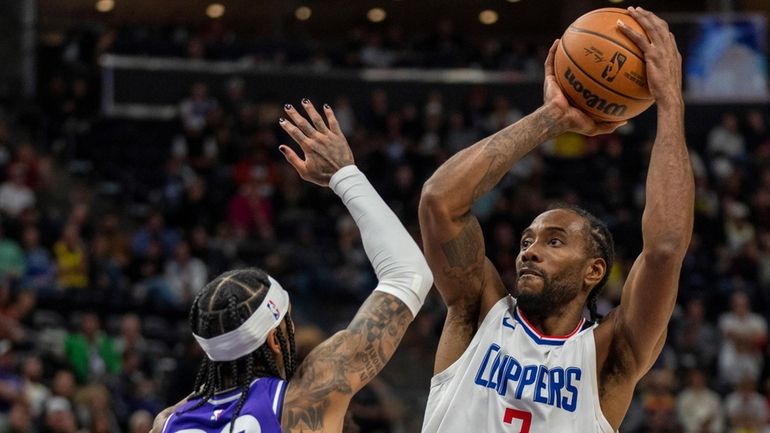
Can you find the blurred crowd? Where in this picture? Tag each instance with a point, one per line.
(440, 45)
(105, 240)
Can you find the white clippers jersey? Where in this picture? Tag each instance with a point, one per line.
(512, 379)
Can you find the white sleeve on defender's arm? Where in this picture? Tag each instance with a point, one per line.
(397, 260)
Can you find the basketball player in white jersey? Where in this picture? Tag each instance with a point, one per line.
(526, 361)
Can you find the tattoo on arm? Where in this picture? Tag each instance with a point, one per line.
(495, 151)
(465, 253)
(346, 362)
(506, 147)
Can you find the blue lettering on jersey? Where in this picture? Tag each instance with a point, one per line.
(556, 386)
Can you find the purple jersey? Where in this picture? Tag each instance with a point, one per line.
(261, 411)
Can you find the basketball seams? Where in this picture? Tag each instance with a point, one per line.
(602, 85)
(607, 38)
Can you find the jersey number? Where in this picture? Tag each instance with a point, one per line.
(243, 424)
(525, 417)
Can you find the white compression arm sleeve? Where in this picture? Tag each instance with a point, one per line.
(397, 260)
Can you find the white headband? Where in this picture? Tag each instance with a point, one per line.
(253, 332)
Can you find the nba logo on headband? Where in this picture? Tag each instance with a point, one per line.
(273, 309)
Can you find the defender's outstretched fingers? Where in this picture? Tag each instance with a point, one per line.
(332, 119)
(294, 159)
(318, 122)
(304, 142)
(300, 121)
(639, 39)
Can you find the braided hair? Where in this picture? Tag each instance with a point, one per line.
(599, 244)
(222, 306)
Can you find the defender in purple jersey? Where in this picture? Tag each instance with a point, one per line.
(248, 381)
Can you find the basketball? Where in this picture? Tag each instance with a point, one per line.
(600, 70)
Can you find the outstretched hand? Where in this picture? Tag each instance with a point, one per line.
(664, 63)
(572, 118)
(325, 147)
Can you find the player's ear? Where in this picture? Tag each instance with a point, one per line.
(272, 343)
(595, 271)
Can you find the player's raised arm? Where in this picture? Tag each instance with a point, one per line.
(650, 291)
(452, 237)
(318, 395)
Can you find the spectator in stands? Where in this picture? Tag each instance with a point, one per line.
(40, 270)
(105, 276)
(746, 408)
(27, 161)
(459, 135)
(59, 417)
(739, 230)
(659, 403)
(10, 328)
(202, 247)
(699, 409)
(94, 409)
(35, 392)
(147, 271)
(725, 139)
(198, 148)
(140, 422)
(15, 195)
(20, 419)
(118, 239)
(12, 263)
(91, 352)
(71, 259)
(744, 334)
(194, 109)
(696, 338)
(154, 229)
(756, 132)
(185, 274)
(63, 385)
(11, 384)
(250, 212)
(130, 338)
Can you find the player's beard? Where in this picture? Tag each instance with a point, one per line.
(557, 292)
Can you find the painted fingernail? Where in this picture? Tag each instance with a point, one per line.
(281, 119)
(327, 106)
(287, 106)
(305, 101)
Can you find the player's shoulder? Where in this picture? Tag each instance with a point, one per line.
(503, 310)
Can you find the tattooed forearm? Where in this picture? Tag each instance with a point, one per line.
(345, 363)
(503, 149)
(466, 248)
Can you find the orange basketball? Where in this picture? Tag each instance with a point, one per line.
(600, 70)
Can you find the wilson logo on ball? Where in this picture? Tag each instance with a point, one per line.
(592, 100)
(614, 66)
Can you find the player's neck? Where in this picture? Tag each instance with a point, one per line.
(555, 324)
